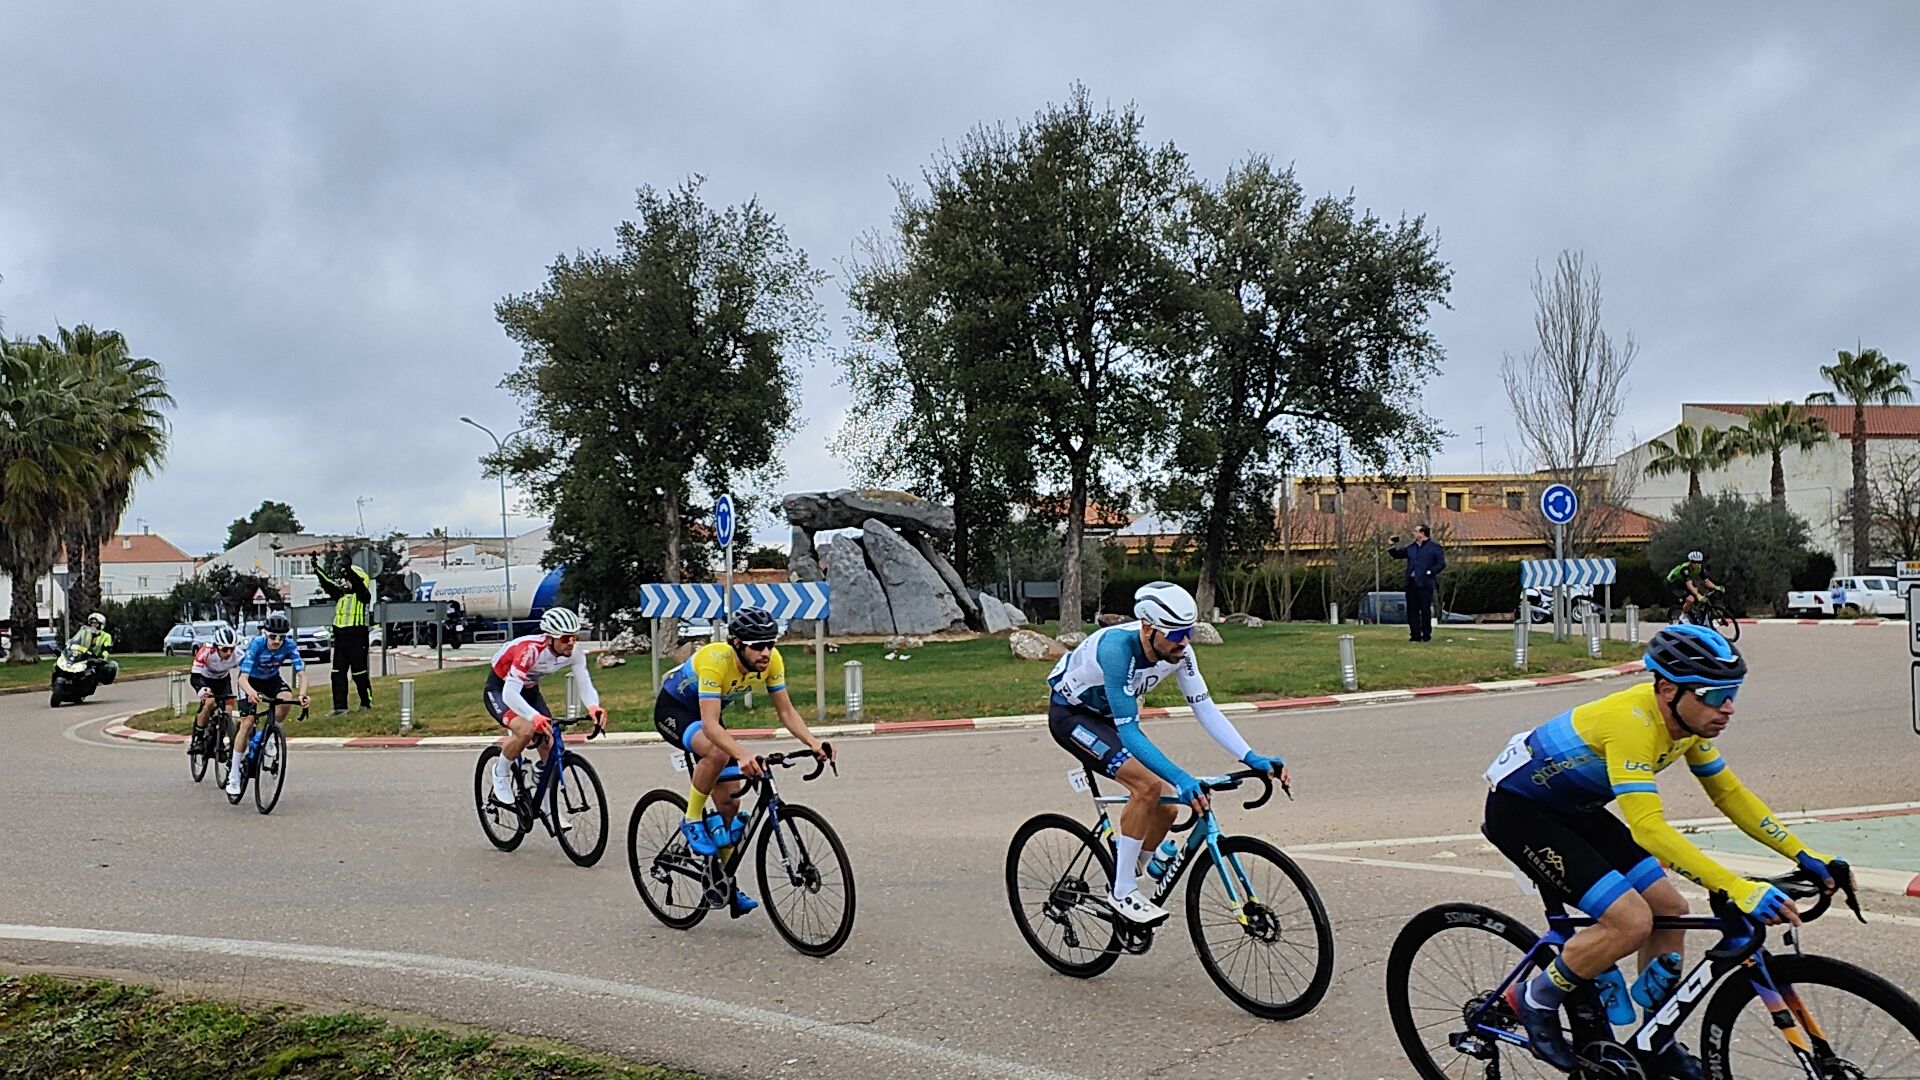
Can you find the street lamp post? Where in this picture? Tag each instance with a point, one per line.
(506, 541)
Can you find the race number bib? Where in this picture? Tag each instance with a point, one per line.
(1511, 760)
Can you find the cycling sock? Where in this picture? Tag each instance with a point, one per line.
(696, 804)
(1551, 987)
(1126, 852)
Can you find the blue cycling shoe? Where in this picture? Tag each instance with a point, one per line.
(741, 904)
(737, 831)
(698, 838)
(1544, 1036)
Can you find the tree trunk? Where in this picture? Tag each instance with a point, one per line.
(1779, 483)
(670, 573)
(1693, 483)
(25, 620)
(1070, 561)
(1219, 514)
(74, 540)
(1861, 516)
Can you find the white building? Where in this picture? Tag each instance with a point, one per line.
(1819, 481)
(131, 564)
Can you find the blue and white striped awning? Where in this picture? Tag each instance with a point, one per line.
(1546, 573)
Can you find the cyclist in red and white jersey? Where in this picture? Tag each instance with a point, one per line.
(215, 673)
(513, 696)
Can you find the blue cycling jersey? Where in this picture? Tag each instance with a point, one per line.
(261, 662)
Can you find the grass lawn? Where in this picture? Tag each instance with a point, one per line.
(57, 1027)
(12, 675)
(982, 678)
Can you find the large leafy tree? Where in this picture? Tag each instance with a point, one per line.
(1771, 431)
(649, 373)
(1755, 547)
(1692, 451)
(1865, 377)
(128, 394)
(268, 517)
(50, 428)
(1309, 338)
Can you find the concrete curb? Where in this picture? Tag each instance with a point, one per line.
(1823, 622)
(119, 729)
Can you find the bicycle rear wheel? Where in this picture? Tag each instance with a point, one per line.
(670, 878)
(222, 749)
(1056, 874)
(1273, 954)
(270, 775)
(809, 891)
(1867, 1026)
(579, 811)
(1447, 962)
(200, 750)
(501, 823)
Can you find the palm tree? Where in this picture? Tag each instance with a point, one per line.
(1692, 451)
(1864, 377)
(49, 437)
(129, 393)
(1774, 429)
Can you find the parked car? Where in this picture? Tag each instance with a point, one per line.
(184, 638)
(314, 643)
(1386, 609)
(1873, 595)
(48, 642)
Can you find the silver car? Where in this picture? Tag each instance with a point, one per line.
(184, 638)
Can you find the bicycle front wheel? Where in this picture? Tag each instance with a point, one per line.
(579, 811)
(1855, 1024)
(670, 878)
(805, 880)
(1446, 966)
(271, 774)
(200, 750)
(1272, 952)
(222, 737)
(1724, 622)
(1056, 874)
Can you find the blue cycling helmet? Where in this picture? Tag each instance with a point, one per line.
(1695, 656)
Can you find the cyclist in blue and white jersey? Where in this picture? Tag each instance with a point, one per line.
(260, 668)
(1095, 713)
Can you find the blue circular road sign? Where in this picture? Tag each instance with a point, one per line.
(723, 519)
(1559, 503)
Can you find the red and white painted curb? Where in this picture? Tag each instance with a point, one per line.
(119, 729)
(1823, 622)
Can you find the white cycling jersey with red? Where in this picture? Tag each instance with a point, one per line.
(208, 663)
(520, 663)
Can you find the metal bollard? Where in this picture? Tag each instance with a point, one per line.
(1333, 614)
(1593, 632)
(573, 698)
(1633, 624)
(1521, 635)
(1349, 671)
(406, 706)
(856, 689)
(177, 692)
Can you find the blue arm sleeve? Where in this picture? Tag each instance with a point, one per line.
(1141, 747)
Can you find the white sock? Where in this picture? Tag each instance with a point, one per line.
(1126, 857)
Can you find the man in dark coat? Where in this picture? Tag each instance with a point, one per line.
(1425, 560)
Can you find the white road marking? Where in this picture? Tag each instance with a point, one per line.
(453, 967)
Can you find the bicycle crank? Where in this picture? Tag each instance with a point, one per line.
(1602, 1060)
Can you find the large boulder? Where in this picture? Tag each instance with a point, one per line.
(846, 508)
(1015, 613)
(859, 604)
(921, 601)
(1033, 645)
(993, 615)
(803, 562)
(1205, 634)
(1072, 638)
(969, 608)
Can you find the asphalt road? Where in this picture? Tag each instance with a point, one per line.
(371, 883)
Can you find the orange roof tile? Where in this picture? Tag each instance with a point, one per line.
(139, 548)
(1882, 421)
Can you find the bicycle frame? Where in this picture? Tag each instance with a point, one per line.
(551, 775)
(766, 810)
(1203, 831)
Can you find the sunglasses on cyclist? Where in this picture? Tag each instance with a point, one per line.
(565, 639)
(1715, 696)
(1179, 635)
(757, 646)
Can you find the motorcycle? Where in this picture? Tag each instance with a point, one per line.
(76, 675)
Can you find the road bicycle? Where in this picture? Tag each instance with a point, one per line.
(806, 881)
(212, 742)
(263, 764)
(561, 791)
(1709, 611)
(1775, 1015)
(1256, 920)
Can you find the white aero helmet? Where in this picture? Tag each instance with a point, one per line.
(1164, 606)
(559, 621)
(225, 638)
(1695, 556)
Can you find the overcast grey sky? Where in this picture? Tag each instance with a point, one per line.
(293, 206)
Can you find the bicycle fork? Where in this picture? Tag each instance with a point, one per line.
(1791, 1018)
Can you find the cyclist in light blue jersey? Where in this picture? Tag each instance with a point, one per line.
(1094, 715)
(260, 667)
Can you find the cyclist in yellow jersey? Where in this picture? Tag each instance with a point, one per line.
(687, 715)
(1546, 811)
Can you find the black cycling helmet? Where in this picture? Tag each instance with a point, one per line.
(1695, 656)
(278, 624)
(753, 624)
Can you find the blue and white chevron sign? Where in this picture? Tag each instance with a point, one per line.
(794, 600)
(681, 601)
(1545, 573)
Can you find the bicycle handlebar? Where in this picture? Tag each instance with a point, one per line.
(787, 759)
(1802, 885)
(1229, 782)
